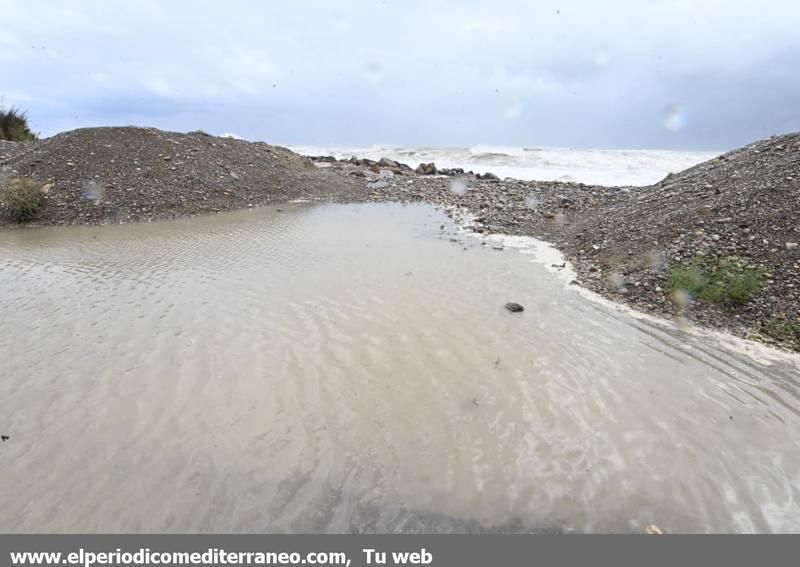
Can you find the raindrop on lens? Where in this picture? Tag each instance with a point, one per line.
(532, 201)
(681, 298)
(92, 191)
(656, 261)
(616, 280)
(674, 118)
(458, 185)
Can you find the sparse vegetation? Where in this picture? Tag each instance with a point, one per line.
(22, 198)
(724, 280)
(783, 329)
(14, 125)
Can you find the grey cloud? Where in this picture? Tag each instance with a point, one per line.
(571, 73)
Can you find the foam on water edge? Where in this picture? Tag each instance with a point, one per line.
(546, 254)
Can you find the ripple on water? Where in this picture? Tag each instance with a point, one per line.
(340, 368)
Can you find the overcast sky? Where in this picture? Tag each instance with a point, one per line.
(693, 74)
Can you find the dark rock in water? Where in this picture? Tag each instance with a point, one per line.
(4, 438)
(488, 177)
(514, 307)
(426, 169)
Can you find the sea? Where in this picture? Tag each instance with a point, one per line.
(594, 167)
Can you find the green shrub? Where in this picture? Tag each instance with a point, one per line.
(783, 329)
(22, 199)
(723, 280)
(14, 125)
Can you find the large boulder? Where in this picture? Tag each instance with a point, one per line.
(426, 169)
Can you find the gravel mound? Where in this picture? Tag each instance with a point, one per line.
(101, 175)
(743, 205)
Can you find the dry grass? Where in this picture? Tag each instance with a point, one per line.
(22, 199)
(14, 125)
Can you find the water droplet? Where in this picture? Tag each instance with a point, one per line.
(601, 59)
(674, 118)
(616, 281)
(513, 111)
(532, 201)
(340, 23)
(458, 185)
(92, 190)
(656, 260)
(681, 297)
(373, 73)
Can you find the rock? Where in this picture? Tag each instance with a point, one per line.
(4, 438)
(386, 162)
(791, 245)
(514, 307)
(488, 177)
(426, 169)
(451, 171)
(566, 202)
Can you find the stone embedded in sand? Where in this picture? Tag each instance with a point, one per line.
(514, 307)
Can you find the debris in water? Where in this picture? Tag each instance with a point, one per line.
(4, 438)
(514, 307)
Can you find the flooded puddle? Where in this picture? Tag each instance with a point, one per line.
(351, 368)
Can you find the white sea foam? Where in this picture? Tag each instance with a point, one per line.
(553, 260)
(600, 167)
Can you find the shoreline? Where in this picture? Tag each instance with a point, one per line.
(608, 234)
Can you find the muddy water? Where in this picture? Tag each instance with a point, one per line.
(350, 368)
